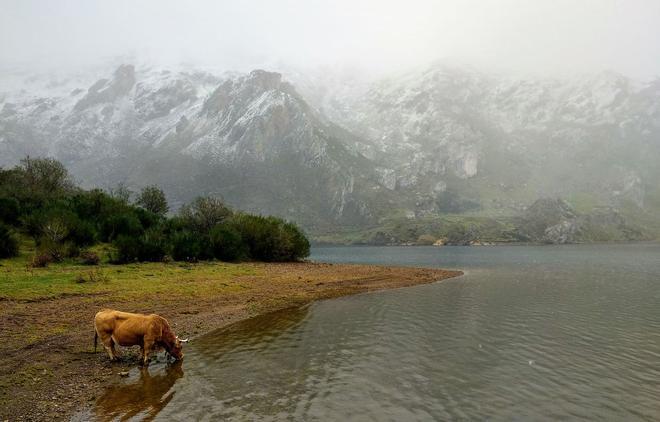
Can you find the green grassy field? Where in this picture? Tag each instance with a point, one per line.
(20, 281)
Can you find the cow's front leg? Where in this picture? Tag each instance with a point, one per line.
(146, 351)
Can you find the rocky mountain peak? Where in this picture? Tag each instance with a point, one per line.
(108, 90)
(265, 80)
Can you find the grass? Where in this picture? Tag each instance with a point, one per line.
(23, 283)
(19, 281)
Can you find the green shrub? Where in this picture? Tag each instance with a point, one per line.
(124, 224)
(154, 244)
(58, 225)
(147, 218)
(41, 260)
(8, 242)
(129, 249)
(82, 233)
(57, 250)
(151, 247)
(9, 210)
(227, 243)
(89, 258)
(299, 243)
(39, 198)
(271, 238)
(189, 246)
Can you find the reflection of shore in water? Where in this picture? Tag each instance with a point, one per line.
(142, 396)
(258, 330)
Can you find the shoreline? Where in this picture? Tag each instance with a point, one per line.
(488, 244)
(49, 370)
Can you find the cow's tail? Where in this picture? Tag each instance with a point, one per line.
(96, 337)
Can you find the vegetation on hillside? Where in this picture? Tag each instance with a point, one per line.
(547, 220)
(38, 199)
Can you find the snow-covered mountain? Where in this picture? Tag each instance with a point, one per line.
(504, 142)
(329, 150)
(250, 138)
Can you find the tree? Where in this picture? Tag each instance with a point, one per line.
(153, 199)
(121, 192)
(204, 213)
(45, 177)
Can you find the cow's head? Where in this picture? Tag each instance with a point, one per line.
(176, 349)
(172, 343)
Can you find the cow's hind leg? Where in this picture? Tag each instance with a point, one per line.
(114, 348)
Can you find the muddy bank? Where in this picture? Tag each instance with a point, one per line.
(48, 368)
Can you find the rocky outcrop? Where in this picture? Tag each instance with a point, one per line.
(109, 90)
(555, 221)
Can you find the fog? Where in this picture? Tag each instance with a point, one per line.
(557, 36)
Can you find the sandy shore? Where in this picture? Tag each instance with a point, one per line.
(51, 374)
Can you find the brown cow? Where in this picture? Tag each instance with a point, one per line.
(150, 332)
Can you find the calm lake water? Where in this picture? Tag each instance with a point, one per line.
(528, 333)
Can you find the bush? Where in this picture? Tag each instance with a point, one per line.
(188, 246)
(227, 243)
(154, 244)
(148, 247)
(129, 249)
(89, 258)
(41, 260)
(82, 233)
(8, 243)
(57, 251)
(124, 224)
(9, 210)
(271, 238)
(39, 198)
(147, 218)
(58, 225)
(299, 243)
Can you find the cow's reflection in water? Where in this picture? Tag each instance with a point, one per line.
(141, 397)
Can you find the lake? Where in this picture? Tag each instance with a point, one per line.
(528, 333)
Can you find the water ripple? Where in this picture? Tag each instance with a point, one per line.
(528, 333)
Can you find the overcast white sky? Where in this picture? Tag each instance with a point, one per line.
(545, 36)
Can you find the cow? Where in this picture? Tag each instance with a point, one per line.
(150, 332)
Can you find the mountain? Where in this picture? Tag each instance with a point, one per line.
(249, 138)
(506, 142)
(342, 154)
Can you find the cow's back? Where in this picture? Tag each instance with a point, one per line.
(126, 328)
